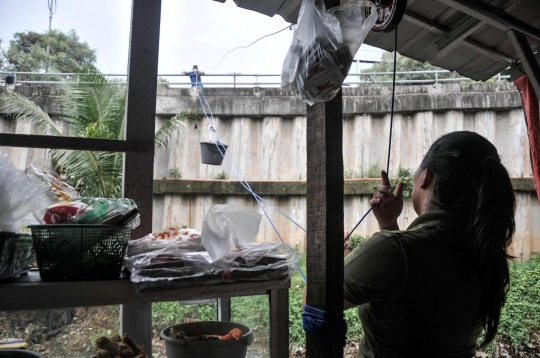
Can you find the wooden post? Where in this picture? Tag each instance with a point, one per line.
(279, 323)
(141, 107)
(136, 319)
(325, 212)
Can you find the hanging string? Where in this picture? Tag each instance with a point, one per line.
(238, 173)
(331, 327)
(390, 136)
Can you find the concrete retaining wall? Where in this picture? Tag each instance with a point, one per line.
(265, 130)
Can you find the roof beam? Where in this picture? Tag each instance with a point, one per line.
(455, 37)
(438, 29)
(527, 58)
(492, 15)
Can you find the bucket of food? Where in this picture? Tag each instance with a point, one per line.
(212, 339)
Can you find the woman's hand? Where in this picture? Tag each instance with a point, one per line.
(388, 206)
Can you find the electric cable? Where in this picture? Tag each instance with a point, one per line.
(260, 38)
(391, 125)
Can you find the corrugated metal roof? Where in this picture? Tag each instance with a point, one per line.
(435, 32)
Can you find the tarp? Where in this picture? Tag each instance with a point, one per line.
(532, 116)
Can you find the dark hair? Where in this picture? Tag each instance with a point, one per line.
(470, 179)
(195, 66)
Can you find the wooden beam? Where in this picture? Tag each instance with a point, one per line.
(324, 203)
(52, 142)
(141, 107)
(140, 126)
(279, 323)
(492, 15)
(527, 58)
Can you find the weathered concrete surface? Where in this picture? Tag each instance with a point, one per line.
(265, 129)
(283, 188)
(262, 102)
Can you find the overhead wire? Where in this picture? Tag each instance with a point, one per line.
(260, 38)
(238, 173)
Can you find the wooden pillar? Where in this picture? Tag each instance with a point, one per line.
(324, 201)
(141, 107)
(279, 323)
(136, 320)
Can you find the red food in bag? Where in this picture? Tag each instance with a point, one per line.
(62, 212)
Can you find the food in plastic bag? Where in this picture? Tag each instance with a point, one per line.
(57, 190)
(323, 48)
(120, 211)
(172, 267)
(20, 197)
(183, 238)
(228, 224)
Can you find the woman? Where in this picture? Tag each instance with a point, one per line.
(430, 290)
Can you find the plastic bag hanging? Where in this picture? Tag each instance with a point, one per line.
(323, 48)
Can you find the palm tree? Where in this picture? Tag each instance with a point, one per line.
(96, 110)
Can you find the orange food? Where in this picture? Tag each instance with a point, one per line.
(235, 333)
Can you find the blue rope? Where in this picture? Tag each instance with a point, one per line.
(328, 327)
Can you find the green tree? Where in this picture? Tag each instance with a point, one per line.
(93, 110)
(51, 51)
(403, 64)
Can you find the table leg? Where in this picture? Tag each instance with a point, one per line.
(136, 321)
(224, 309)
(279, 323)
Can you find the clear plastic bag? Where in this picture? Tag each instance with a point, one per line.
(20, 197)
(183, 238)
(323, 48)
(112, 211)
(226, 225)
(172, 267)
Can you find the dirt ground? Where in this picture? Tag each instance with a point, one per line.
(77, 339)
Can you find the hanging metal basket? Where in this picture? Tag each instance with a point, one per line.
(210, 153)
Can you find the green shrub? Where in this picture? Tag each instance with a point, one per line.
(520, 317)
(168, 313)
(175, 173)
(221, 176)
(405, 177)
(374, 170)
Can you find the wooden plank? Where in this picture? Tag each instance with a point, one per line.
(141, 107)
(140, 126)
(29, 292)
(279, 323)
(324, 202)
(52, 142)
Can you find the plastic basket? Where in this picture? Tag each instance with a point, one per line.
(16, 254)
(80, 252)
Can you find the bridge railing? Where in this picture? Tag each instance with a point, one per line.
(237, 80)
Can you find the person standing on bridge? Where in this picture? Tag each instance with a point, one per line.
(195, 76)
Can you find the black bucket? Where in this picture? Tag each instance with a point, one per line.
(232, 348)
(210, 153)
(10, 79)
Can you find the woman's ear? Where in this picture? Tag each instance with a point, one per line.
(426, 178)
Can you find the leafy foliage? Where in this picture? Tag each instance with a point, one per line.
(174, 125)
(406, 177)
(95, 110)
(403, 64)
(175, 173)
(521, 315)
(374, 170)
(221, 176)
(169, 313)
(51, 51)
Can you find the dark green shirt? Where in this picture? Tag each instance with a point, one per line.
(417, 294)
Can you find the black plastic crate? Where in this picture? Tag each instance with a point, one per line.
(80, 252)
(16, 254)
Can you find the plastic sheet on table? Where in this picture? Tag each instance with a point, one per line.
(172, 267)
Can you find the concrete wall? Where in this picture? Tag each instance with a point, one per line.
(265, 131)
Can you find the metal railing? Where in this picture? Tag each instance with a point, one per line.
(239, 80)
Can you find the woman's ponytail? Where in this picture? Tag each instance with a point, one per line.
(471, 180)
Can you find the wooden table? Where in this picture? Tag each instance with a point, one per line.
(29, 292)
